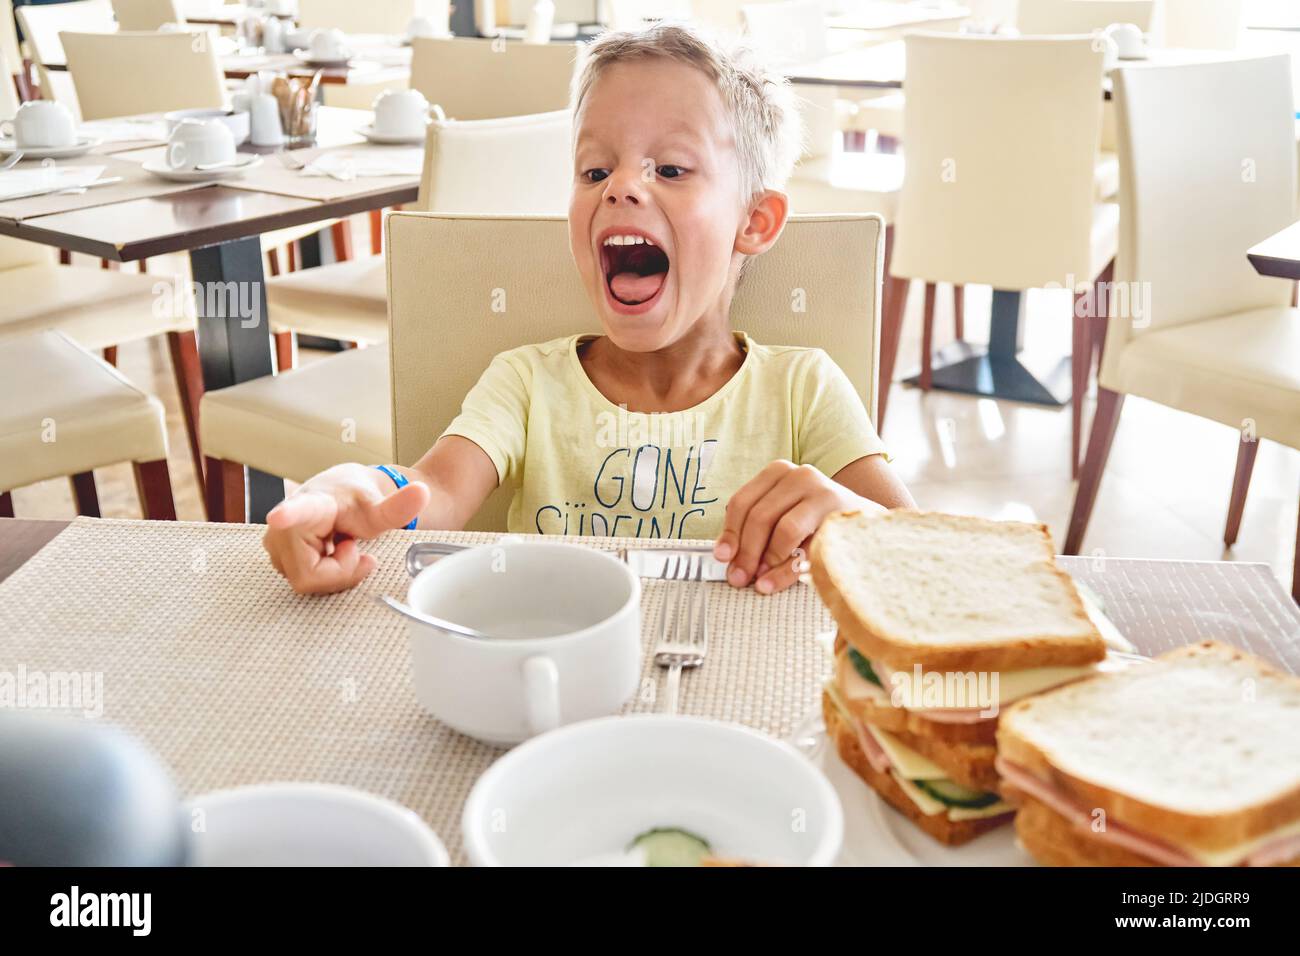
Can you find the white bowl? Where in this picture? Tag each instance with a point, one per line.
(585, 791)
(236, 122)
(307, 824)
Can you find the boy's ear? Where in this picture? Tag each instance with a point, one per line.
(763, 227)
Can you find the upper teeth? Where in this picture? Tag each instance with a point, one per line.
(627, 241)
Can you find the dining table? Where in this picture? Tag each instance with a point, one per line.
(219, 224)
(1279, 254)
(208, 657)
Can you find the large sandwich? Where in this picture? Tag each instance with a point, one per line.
(1191, 760)
(942, 621)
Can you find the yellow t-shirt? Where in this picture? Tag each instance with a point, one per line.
(583, 465)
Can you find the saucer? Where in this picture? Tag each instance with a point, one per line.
(391, 139)
(335, 61)
(241, 165)
(84, 144)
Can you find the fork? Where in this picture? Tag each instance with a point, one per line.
(676, 650)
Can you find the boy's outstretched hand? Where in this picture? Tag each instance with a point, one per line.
(312, 536)
(773, 514)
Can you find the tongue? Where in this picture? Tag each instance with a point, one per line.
(630, 288)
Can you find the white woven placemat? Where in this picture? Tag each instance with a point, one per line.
(233, 679)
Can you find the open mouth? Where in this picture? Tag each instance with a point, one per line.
(635, 268)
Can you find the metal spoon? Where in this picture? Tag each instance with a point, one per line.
(458, 629)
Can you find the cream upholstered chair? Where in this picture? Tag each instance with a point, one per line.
(121, 74)
(1002, 141)
(336, 410)
(146, 14)
(1058, 17)
(1218, 340)
(528, 166)
(64, 411)
(9, 52)
(443, 268)
(41, 27)
(485, 79)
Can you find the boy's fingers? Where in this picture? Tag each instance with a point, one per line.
(795, 527)
(728, 543)
(777, 579)
(305, 510)
(371, 518)
(346, 568)
(760, 522)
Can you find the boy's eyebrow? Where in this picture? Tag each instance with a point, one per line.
(682, 130)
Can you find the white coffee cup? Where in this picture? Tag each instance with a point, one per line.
(326, 45)
(569, 648)
(41, 124)
(199, 143)
(401, 113)
(1129, 40)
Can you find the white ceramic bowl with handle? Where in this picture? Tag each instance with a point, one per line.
(307, 824)
(584, 792)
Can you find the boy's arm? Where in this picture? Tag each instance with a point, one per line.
(311, 536)
(784, 504)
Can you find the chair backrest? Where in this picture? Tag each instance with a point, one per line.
(447, 276)
(356, 16)
(1056, 17)
(1188, 215)
(515, 164)
(1201, 24)
(41, 26)
(125, 73)
(1002, 138)
(146, 14)
(9, 51)
(8, 91)
(484, 79)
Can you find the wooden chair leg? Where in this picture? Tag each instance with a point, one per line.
(341, 233)
(1246, 451)
(154, 486)
(893, 305)
(189, 385)
(273, 261)
(959, 312)
(283, 351)
(1080, 366)
(84, 494)
(6, 505)
(927, 339)
(110, 355)
(376, 231)
(225, 497)
(293, 256)
(1104, 423)
(65, 257)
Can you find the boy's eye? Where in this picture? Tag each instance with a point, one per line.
(669, 171)
(595, 175)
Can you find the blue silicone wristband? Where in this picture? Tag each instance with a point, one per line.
(399, 479)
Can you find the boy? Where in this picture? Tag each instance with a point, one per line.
(680, 150)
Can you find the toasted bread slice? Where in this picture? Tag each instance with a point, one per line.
(951, 593)
(900, 720)
(1199, 748)
(945, 830)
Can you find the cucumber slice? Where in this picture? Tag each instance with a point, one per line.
(669, 846)
(863, 667)
(955, 795)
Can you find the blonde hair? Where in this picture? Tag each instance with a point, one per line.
(759, 100)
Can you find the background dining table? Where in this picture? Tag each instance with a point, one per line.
(208, 657)
(220, 225)
(1279, 254)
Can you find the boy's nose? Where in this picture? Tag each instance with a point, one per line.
(625, 187)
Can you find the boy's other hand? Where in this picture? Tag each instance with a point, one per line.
(771, 515)
(312, 536)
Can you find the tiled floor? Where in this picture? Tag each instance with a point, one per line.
(1165, 493)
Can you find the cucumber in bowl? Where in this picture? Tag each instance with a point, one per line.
(670, 846)
(955, 795)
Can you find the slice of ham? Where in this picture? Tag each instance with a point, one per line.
(1269, 854)
(876, 755)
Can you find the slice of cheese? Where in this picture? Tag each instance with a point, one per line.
(1235, 854)
(974, 813)
(928, 804)
(906, 761)
(1011, 685)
